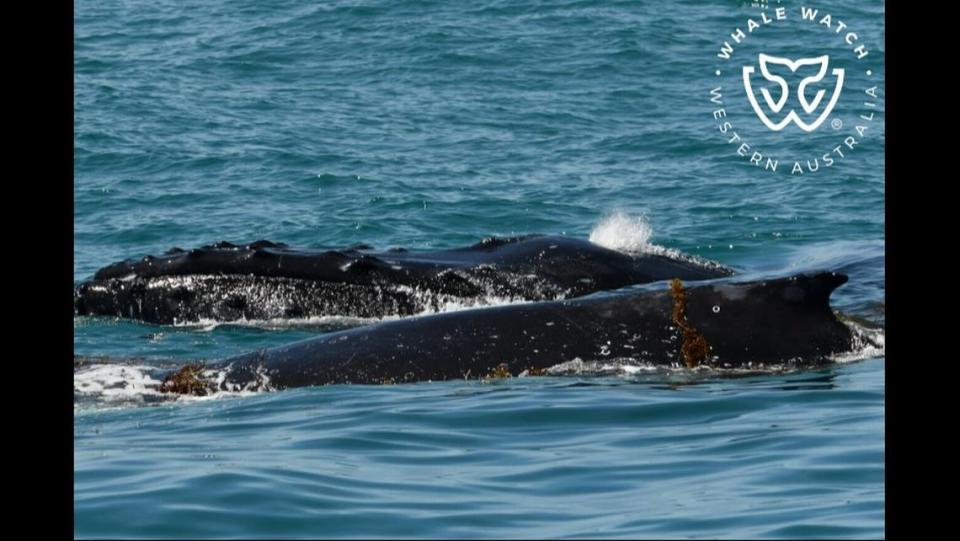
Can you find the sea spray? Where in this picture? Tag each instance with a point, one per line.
(622, 232)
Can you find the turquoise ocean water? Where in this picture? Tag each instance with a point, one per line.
(432, 124)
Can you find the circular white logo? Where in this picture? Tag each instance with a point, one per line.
(796, 90)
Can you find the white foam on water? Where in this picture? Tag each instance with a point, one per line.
(614, 367)
(116, 383)
(106, 386)
(867, 344)
(210, 324)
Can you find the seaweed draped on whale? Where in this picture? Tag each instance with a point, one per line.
(267, 280)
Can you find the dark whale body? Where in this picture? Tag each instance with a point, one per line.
(266, 280)
(774, 322)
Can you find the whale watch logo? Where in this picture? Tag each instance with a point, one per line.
(809, 107)
(790, 113)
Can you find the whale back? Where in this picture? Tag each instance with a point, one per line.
(268, 280)
(759, 321)
(771, 322)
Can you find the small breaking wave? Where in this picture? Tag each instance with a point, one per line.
(325, 323)
(118, 384)
(868, 343)
(644, 371)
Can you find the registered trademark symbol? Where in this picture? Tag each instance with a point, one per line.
(836, 123)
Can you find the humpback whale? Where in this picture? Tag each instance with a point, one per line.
(723, 324)
(268, 280)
